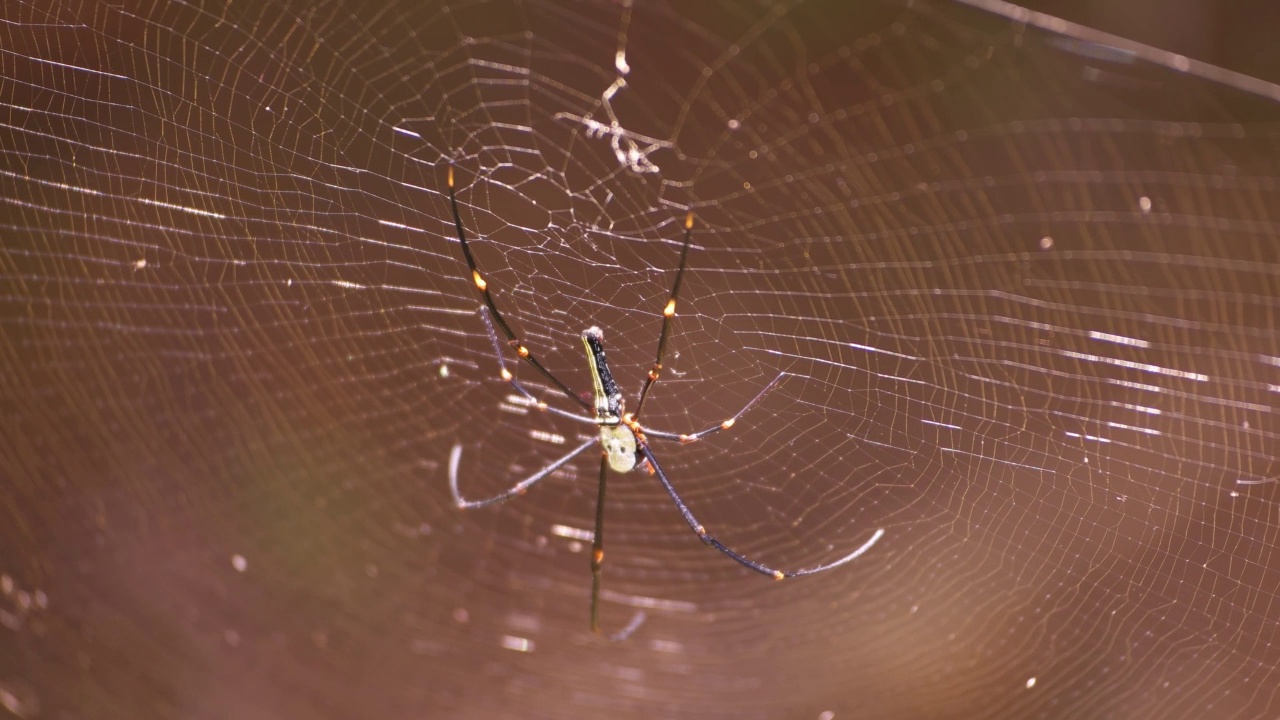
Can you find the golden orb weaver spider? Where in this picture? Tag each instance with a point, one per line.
(624, 441)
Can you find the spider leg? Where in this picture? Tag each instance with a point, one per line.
(511, 379)
(597, 563)
(668, 312)
(597, 547)
(636, 621)
(483, 287)
(710, 540)
(518, 489)
(692, 437)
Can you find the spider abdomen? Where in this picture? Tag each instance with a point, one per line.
(607, 395)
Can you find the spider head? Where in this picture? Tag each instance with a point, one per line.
(619, 445)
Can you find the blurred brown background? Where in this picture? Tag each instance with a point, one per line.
(1234, 35)
(1021, 288)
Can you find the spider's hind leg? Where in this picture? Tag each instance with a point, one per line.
(455, 457)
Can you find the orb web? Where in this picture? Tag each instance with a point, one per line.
(1017, 282)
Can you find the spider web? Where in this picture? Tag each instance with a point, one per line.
(1019, 281)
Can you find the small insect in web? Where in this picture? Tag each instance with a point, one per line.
(623, 439)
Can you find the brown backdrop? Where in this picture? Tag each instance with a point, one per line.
(1020, 286)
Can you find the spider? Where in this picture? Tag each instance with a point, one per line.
(624, 441)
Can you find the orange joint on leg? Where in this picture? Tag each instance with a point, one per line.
(728, 423)
(479, 281)
(670, 309)
(777, 575)
(635, 428)
(688, 219)
(598, 556)
(702, 532)
(450, 176)
(522, 351)
(506, 374)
